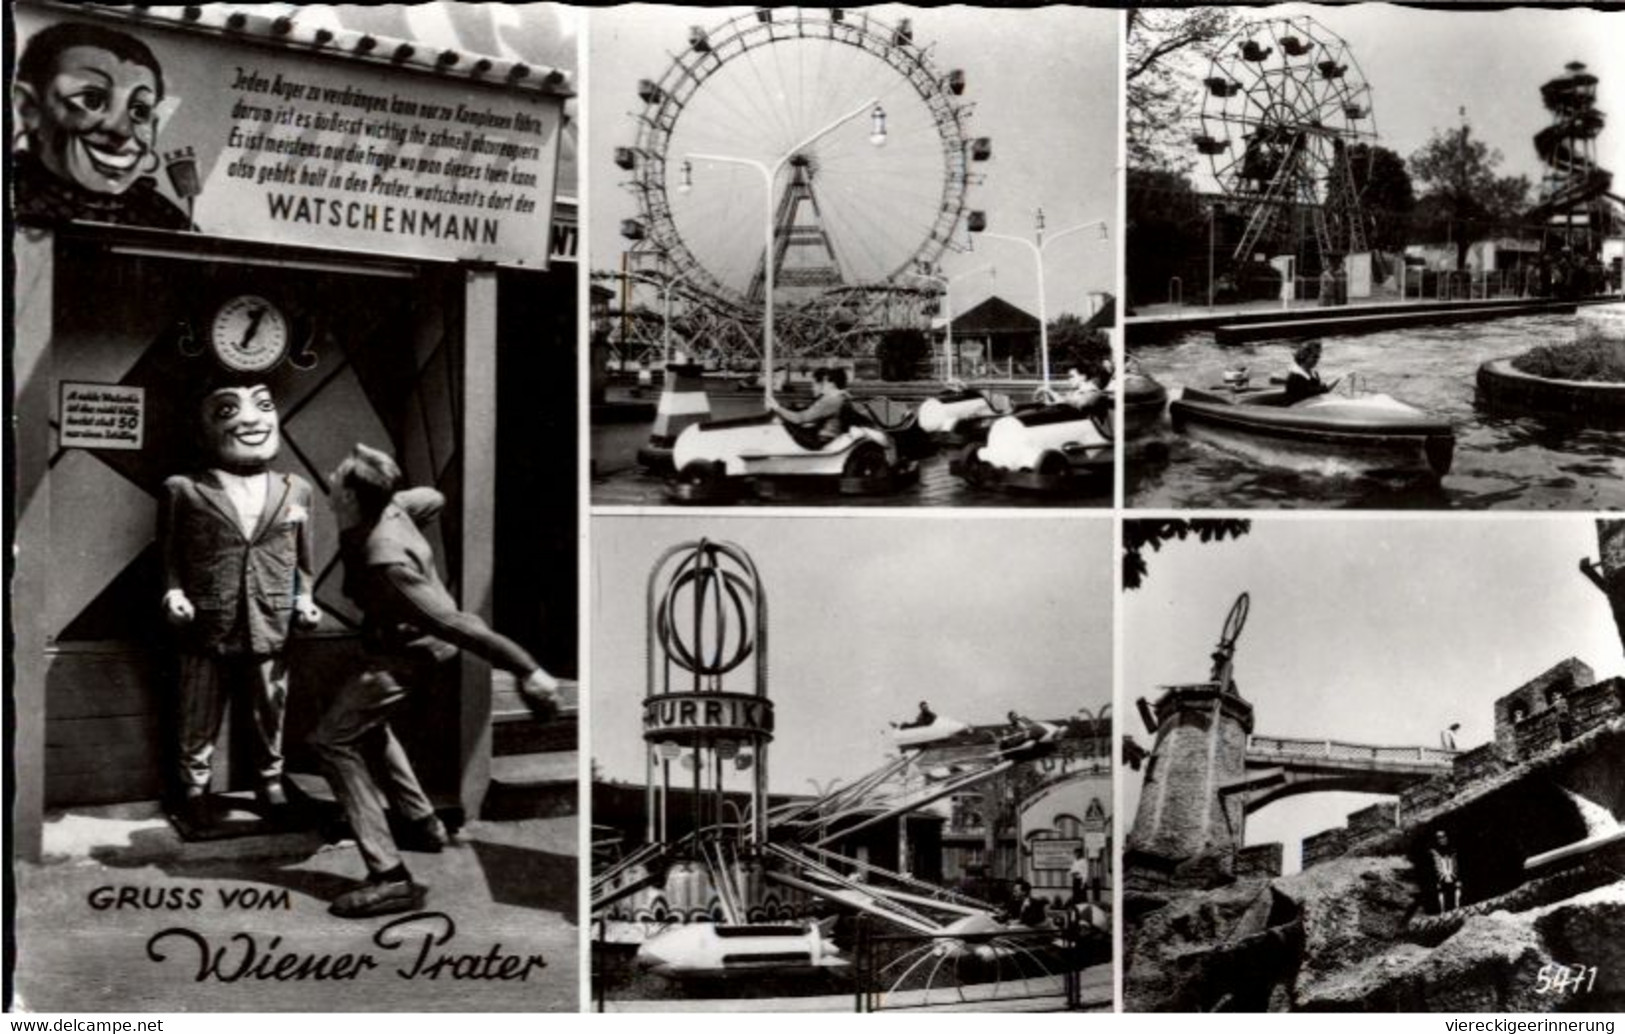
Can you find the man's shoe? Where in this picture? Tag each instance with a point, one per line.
(273, 795)
(194, 808)
(379, 898)
(426, 834)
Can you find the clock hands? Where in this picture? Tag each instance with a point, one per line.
(253, 327)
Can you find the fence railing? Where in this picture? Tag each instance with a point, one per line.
(1040, 967)
(1340, 751)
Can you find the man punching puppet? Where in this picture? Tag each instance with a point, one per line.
(410, 626)
(237, 564)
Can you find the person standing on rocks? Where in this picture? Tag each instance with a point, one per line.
(1446, 878)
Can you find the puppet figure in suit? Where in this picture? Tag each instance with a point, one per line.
(237, 568)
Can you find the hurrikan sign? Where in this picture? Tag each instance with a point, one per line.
(278, 144)
(684, 716)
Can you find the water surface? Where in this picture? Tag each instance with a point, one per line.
(1520, 463)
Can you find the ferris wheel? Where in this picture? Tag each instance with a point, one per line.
(856, 205)
(1284, 106)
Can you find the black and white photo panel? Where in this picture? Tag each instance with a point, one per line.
(1369, 263)
(853, 256)
(1373, 764)
(296, 488)
(842, 760)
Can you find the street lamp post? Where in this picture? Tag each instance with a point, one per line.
(1037, 246)
(770, 174)
(948, 308)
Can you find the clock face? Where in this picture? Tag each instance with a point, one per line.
(249, 333)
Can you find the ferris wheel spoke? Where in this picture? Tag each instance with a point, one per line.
(871, 226)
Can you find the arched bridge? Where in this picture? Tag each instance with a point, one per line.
(1278, 767)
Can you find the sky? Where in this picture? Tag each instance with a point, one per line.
(867, 616)
(1044, 85)
(1378, 631)
(1424, 66)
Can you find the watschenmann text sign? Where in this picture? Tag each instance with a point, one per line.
(284, 144)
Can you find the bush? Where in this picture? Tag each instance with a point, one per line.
(902, 352)
(1587, 360)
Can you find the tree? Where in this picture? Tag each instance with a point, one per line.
(901, 352)
(1074, 344)
(1166, 233)
(1386, 194)
(1462, 197)
(1159, 80)
(1138, 534)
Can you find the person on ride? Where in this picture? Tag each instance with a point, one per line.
(830, 398)
(1023, 908)
(1303, 382)
(1084, 390)
(921, 720)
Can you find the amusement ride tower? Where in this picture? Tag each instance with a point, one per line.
(1573, 187)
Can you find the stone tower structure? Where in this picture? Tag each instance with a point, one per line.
(1185, 812)
(1201, 747)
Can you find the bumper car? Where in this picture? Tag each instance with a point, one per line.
(959, 415)
(720, 459)
(1056, 448)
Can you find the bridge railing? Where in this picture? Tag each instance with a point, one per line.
(1338, 750)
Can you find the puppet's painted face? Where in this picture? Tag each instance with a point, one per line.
(95, 121)
(240, 426)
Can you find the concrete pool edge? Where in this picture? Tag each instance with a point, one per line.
(1502, 388)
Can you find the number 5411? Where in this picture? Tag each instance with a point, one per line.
(1556, 978)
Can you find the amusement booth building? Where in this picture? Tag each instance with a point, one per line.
(371, 228)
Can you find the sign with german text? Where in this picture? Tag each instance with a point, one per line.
(286, 144)
(1055, 853)
(101, 416)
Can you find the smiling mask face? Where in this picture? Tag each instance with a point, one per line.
(95, 121)
(241, 427)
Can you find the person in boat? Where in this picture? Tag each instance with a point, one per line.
(1303, 380)
(825, 414)
(1446, 876)
(921, 720)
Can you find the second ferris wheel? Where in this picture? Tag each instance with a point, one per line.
(1287, 129)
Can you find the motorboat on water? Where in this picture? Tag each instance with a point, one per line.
(1370, 431)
